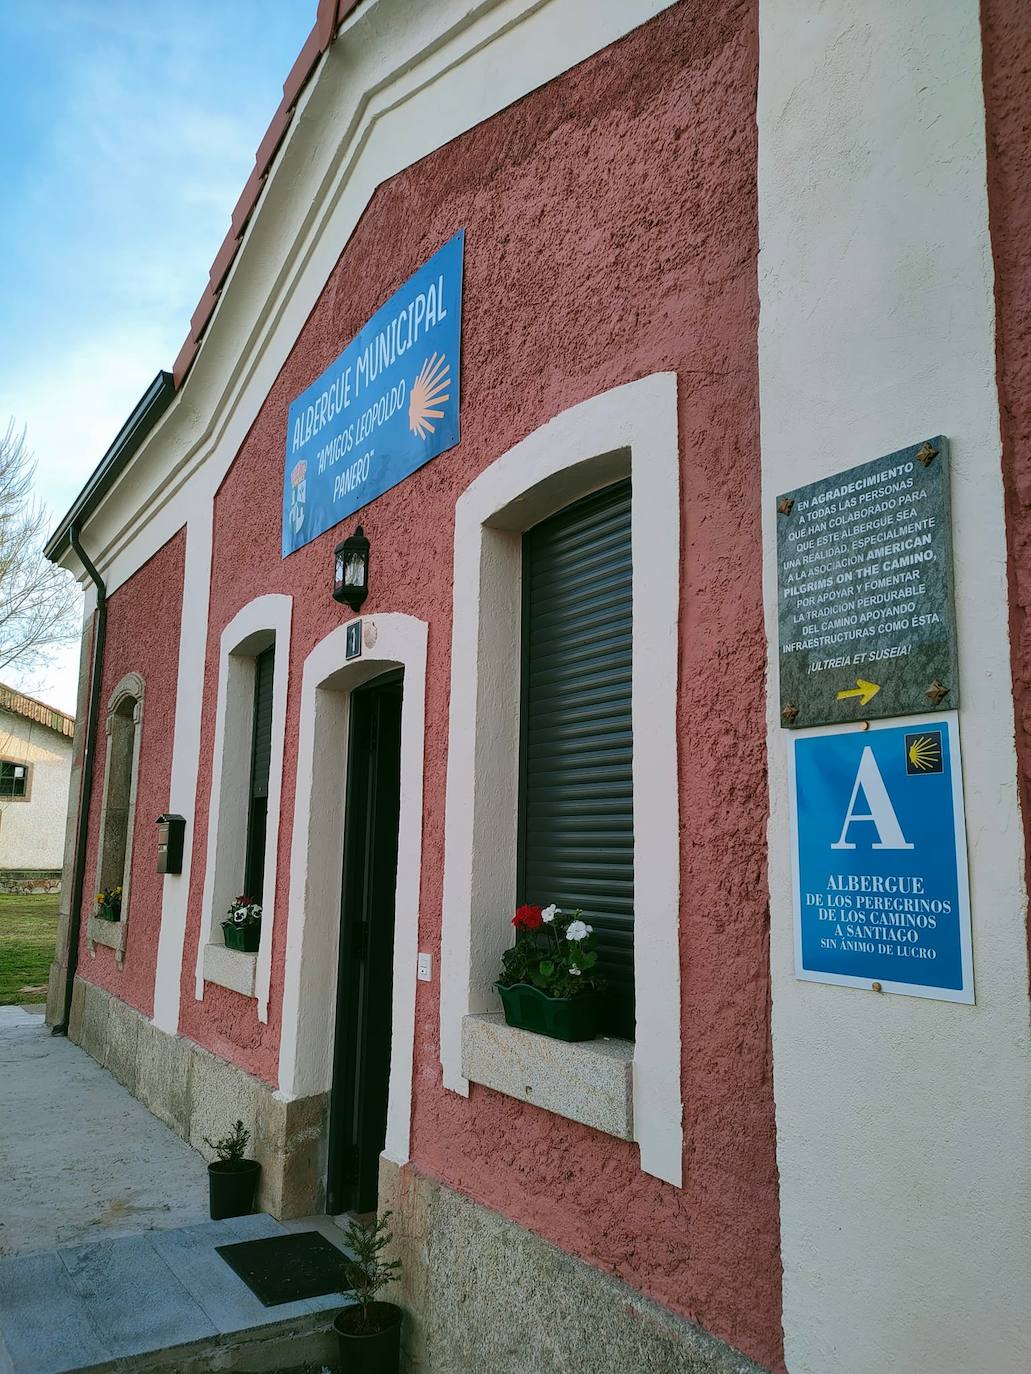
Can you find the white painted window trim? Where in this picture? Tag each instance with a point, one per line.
(261, 623)
(630, 430)
(113, 933)
(316, 862)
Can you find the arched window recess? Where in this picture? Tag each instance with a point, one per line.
(111, 902)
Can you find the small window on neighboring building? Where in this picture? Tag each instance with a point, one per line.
(576, 821)
(14, 779)
(261, 754)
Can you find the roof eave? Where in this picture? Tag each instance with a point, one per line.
(145, 415)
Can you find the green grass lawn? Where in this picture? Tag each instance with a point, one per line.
(27, 929)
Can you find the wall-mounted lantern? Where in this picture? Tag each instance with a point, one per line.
(351, 574)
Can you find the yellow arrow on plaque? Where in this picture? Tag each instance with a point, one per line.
(865, 691)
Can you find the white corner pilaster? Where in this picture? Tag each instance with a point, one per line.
(905, 1176)
(182, 791)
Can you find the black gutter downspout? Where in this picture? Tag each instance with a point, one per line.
(86, 788)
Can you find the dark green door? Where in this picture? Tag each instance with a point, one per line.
(361, 1063)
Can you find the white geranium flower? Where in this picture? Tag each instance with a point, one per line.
(549, 913)
(574, 970)
(578, 930)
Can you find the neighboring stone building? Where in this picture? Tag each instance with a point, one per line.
(35, 769)
(693, 256)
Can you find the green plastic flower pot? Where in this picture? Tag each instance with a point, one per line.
(563, 1018)
(246, 938)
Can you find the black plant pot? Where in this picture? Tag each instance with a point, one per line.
(376, 1352)
(231, 1188)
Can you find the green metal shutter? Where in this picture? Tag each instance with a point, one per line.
(576, 842)
(261, 757)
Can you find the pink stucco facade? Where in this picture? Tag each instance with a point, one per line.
(613, 213)
(612, 218)
(143, 638)
(1007, 54)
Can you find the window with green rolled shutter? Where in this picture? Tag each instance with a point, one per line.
(576, 832)
(261, 754)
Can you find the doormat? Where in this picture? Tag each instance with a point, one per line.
(288, 1268)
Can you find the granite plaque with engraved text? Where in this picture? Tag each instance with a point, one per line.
(864, 571)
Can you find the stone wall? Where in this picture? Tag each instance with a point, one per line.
(198, 1095)
(482, 1293)
(26, 881)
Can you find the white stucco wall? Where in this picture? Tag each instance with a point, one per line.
(32, 830)
(902, 1123)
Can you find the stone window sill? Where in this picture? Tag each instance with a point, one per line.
(109, 933)
(230, 968)
(590, 1081)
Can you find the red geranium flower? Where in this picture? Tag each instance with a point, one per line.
(528, 918)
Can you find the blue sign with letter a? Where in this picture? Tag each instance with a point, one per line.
(880, 865)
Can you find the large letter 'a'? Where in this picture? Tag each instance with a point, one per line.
(881, 813)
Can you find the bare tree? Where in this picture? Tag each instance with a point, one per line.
(38, 601)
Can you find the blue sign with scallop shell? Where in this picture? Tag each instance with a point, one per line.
(385, 407)
(880, 861)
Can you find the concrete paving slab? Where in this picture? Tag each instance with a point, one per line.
(83, 1161)
(43, 1325)
(13, 1017)
(132, 1299)
(190, 1253)
(142, 1297)
(79, 1156)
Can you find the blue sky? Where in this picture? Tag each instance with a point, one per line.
(130, 130)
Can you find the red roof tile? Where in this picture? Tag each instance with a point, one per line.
(21, 705)
(223, 259)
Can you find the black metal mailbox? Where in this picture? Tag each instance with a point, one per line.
(171, 835)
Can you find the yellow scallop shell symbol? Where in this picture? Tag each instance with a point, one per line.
(430, 390)
(924, 753)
